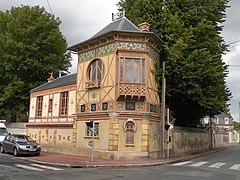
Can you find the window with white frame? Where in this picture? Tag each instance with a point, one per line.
(64, 104)
(39, 106)
(226, 120)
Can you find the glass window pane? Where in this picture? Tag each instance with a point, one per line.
(99, 70)
(136, 64)
(130, 105)
(143, 71)
(121, 70)
(94, 71)
(128, 70)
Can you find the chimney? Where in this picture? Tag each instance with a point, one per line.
(144, 27)
(51, 77)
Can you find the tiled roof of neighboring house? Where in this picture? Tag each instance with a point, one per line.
(120, 25)
(62, 81)
(223, 115)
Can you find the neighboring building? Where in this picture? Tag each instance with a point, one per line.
(222, 122)
(51, 106)
(114, 86)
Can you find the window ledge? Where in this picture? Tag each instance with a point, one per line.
(130, 145)
(90, 137)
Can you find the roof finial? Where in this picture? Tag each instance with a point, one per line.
(51, 77)
(118, 15)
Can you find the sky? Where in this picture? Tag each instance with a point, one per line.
(81, 19)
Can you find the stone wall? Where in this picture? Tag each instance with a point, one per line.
(188, 140)
(17, 128)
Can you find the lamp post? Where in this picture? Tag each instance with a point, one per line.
(163, 109)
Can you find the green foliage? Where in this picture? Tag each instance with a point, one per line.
(193, 48)
(31, 46)
(236, 126)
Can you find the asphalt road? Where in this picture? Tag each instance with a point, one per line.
(224, 165)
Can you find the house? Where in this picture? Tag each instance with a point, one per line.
(222, 122)
(114, 88)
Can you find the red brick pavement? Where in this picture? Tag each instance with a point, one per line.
(80, 161)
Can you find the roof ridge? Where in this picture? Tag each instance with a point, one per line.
(121, 24)
(57, 79)
(132, 23)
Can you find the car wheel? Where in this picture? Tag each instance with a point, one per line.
(1, 149)
(15, 152)
(37, 154)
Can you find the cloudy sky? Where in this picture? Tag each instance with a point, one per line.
(82, 19)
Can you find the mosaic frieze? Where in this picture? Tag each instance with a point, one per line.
(106, 49)
(140, 106)
(120, 106)
(131, 46)
(86, 56)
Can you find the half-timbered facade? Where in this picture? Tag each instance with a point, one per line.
(115, 87)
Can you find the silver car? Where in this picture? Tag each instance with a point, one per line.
(20, 145)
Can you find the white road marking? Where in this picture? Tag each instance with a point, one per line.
(199, 164)
(28, 167)
(10, 168)
(46, 167)
(217, 165)
(235, 167)
(182, 163)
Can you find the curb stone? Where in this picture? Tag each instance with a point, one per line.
(132, 165)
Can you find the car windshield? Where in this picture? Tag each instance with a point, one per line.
(3, 131)
(24, 139)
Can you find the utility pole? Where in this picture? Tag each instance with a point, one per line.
(93, 134)
(168, 133)
(239, 112)
(163, 110)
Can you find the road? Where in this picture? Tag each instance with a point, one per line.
(224, 165)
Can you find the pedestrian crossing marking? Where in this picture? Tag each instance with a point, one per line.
(217, 165)
(199, 164)
(28, 167)
(47, 167)
(235, 167)
(9, 168)
(182, 163)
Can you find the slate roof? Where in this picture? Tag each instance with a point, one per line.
(62, 81)
(120, 25)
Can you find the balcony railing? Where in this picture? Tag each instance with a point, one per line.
(131, 89)
(93, 84)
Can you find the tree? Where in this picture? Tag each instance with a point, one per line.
(193, 49)
(31, 46)
(236, 126)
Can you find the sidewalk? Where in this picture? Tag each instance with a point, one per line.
(75, 161)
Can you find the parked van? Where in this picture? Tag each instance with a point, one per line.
(3, 130)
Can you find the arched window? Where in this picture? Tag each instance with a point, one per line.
(129, 128)
(95, 73)
(95, 70)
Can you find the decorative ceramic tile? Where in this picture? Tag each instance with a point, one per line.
(106, 49)
(131, 46)
(86, 56)
(93, 95)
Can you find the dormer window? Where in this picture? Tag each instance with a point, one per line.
(95, 73)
